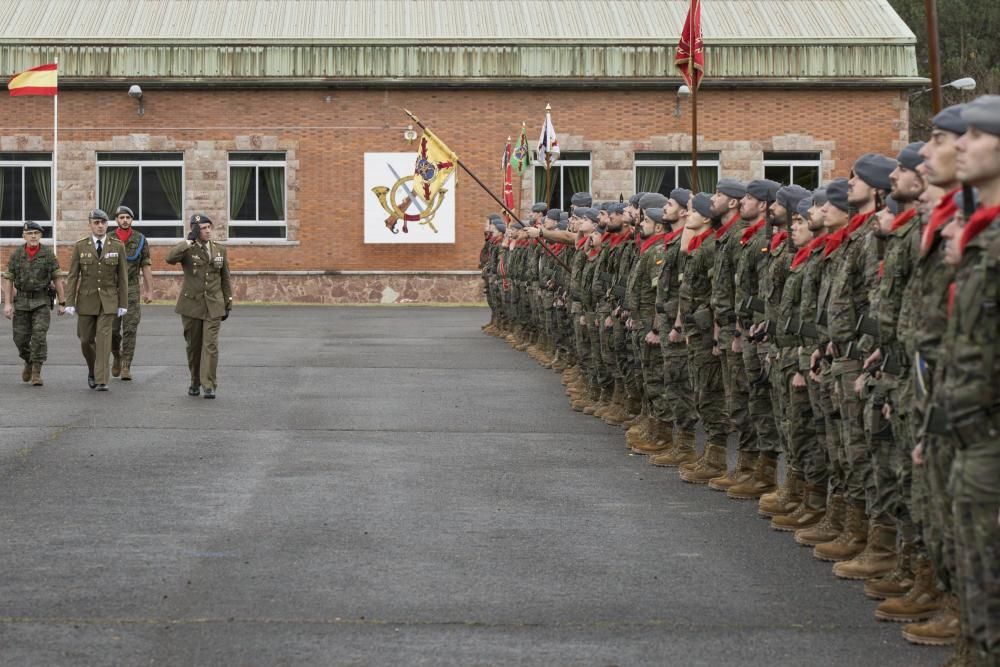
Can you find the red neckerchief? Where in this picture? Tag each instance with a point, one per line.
(807, 250)
(778, 239)
(556, 247)
(979, 221)
(616, 239)
(670, 236)
(942, 213)
(750, 231)
(838, 237)
(646, 244)
(580, 241)
(902, 219)
(32, 251)
(726, 227)
(696, 242)
(123, 235)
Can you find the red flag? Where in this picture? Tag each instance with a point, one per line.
(508, 181)
(41, 80)
(690, 58)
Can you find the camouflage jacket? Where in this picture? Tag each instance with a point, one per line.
(668, 283)
(896, 270)
(727, 251)
(753, 253)
(850, 283)
(811, 270)
(32, 277)
(695, 291)
(640, 298)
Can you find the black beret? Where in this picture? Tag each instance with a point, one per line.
(836, 193)
(763, 189)
(634, 199)
(563, 223)
(654, 213)
(581, 199)
(731, 188)
(604, 206)
(98, 214)
(681, 195)
(199, 218)
(616, 207)
(803, 208)
(950, 119)
(494, 218)
(554, 214)
(126, 210)
(874, 169)
(789, 196)
(909, 157)
(32, 226)
(589, 213)
(983, 113)
(540, 207)
(819, 196)
(702, 202)
(652, 200)
(517, 225)
(500, 226)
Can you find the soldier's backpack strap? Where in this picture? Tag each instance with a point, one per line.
(138, 251)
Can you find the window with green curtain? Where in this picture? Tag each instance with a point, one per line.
(170, 181)
(579, 179)
(41, 178)
(648, 179)
(239, 183)
(554, 185)
(708, 178)
(274, 184)
(115, 182)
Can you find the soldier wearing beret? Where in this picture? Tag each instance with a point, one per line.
(204, 302)
(97, 292)
(126, 327)
(31, 270)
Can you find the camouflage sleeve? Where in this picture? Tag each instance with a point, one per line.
(144, 258)
(9, 273)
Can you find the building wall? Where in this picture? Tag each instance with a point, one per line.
(326, 133)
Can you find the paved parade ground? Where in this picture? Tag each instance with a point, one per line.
(378, 486)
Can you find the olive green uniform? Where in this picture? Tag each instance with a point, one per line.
(31, 278)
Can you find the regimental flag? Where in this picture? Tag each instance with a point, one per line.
(548, 145)
(507, 170)
(41, 80)
(435, 164)
(690, 58)
(522, 154)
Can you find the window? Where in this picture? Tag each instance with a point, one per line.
(257, 196)
(787, 167)
(151, 184)
(662, 172)
(25, 192)
(571, 173)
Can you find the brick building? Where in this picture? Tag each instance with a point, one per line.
(260, 113)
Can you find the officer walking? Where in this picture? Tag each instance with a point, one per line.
(98, 289)
(204, 301)
(31, 270)
(125, 328)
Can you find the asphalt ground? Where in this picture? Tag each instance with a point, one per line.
(378, 486)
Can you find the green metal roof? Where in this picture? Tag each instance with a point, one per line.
(470, 41)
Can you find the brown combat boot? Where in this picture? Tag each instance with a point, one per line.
(116, 366)
(685, 467)
(786, 498)
(712, 464)
(746, 461)
(852, 539)
(943, 629)
(604, 402)
(897, 583)
(878, 558)
(920, 603)
(617, 413)
(682, 451)
(26, 372)
(36, 375)
(829, 526)
(127, 371)
(761, 481)
(655, 441)
(810, 511)
(641, 431)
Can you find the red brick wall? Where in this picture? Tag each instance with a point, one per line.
(333, 137)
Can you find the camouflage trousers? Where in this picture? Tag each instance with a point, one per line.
(759, 401)
(628, 363)
(815, 457)
(737, 388)
(883, 494)
(677, 384)
(854, 444)
(651, 367)
(830, 409)
(601, 350)
(935, 511)
(705, 371)
(899, 396)
(977, 551)
(125, 329)
(780, 369)
(581, 339)
(30, 328)
(805, 451)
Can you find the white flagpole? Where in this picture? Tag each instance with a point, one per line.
(55, 160)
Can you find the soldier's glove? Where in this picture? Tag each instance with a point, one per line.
(193, 235)
(226, 316)
(122, 311)
(70, 310)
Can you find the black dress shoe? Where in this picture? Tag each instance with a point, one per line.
(90, 382)
(209, 393)
(101, 387)
(194, 390)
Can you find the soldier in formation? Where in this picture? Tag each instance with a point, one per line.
(852, 331)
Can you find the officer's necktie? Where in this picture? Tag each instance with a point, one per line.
(100, 246)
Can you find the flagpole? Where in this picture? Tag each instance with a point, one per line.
(694, 107)
(488, 191)
(548, 158)
(55, 164)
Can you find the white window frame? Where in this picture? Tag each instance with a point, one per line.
(639, 161)
(559, 164)
(817, 163)
(142, 164)
(257, 164)
(45, 224)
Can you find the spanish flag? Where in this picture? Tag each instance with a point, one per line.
(41, 80)
(435, 164)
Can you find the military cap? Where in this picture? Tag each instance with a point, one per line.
(702, 202)
(126, 210)
(540, 207)
(199, 218)
(554, 214)
(516, 225)
(763, 189)
(494, 218)
(983, 113)
(874, 169)
(891, 204)
(589, 213)
(950, 119)
(563, 223)
(581, 199)
(803, 207)
(836, 193)
(604, 206)
(616, 207)
(731, 188)
(909, 157)
(499, 226)
(98, 214)
(634, 199)
(32, 226)
(654, 213)
(652, 200)
(681, 195)
(789, 196)
(819, 196)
